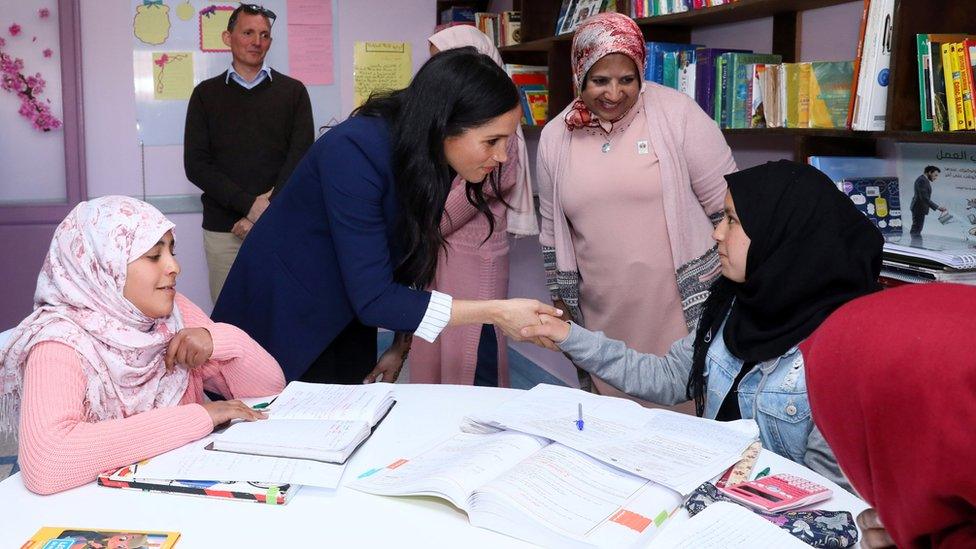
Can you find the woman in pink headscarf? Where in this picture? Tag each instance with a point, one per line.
(630, 186)
(475, 263)
(111, 366)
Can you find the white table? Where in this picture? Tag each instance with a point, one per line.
(316, 517)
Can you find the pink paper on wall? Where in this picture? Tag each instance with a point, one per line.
(310, 12)
(310, 54)
(310, 41)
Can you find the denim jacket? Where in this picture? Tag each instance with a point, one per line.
(781, 408)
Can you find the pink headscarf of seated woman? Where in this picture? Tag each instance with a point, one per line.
(79, 302)
(892, 385)
(521, 216)
(597, 37)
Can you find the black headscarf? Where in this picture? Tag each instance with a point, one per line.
(811, 251)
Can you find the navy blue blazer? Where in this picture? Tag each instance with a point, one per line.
(323, 253)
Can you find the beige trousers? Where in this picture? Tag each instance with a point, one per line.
(221, 249)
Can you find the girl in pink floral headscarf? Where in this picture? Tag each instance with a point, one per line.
(630, 181)
(110, 367)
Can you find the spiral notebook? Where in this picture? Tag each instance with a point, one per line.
(932, 251)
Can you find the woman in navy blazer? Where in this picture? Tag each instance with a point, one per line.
(346, 244)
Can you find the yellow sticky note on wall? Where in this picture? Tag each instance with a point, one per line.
(213, 23)
(380, 66)
(172, 75)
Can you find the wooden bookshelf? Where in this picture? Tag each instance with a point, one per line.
(540, 47)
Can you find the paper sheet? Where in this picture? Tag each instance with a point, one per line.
(194, 462)
(336, 402)
(729, 526)
(380, 66)
(213, 23)
(310, 54)
(457, 466)
(311, 12)
(675, 450)
(172, 75)
(295, 433)
(151, 23)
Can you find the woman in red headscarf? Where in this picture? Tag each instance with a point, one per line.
(630, 186)
(891, 379)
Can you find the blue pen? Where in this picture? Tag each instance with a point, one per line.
(579, 420)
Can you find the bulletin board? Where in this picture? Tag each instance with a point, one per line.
(176, 44)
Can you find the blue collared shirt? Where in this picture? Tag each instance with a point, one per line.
(265, 72)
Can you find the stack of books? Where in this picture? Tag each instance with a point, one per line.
(742, 89)
(504, 29)
(533, 87)
(650, 8)
(946, 81)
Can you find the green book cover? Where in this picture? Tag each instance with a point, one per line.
(830, 93)
(792, 94)
(670, 63)
(924, 81)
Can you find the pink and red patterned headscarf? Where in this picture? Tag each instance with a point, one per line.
(597, 37)
(79, 302)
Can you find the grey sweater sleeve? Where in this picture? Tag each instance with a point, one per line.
(820, 458)
(659, 379)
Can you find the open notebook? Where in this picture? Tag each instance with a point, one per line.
(312, 421)
(526, 487)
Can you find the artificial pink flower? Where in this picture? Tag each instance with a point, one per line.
(48, 52)
(43, 13)
(14, 29)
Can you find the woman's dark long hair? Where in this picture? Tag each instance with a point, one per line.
(456, 90)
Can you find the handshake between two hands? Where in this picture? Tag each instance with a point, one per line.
(533, 321)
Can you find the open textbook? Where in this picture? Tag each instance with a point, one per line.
(727, 525)
(312, 421)
(675, 450)
(526, 487)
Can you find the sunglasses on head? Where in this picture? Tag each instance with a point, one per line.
(250, 9)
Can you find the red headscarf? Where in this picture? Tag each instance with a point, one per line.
(597, 37)
(892, 385)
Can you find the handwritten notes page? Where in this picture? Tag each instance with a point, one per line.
(675, 450)
(310, 41)
(726, 525)
(336, 402)
(379, 66)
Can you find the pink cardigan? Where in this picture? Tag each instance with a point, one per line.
(694, 159)
(59, 450)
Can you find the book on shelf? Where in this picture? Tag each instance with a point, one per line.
(535, 104)
(869, 91)
(56, 537)
(574, 12)
(511, 32)
(925, 101)
(705, 81)
(312, 421)
(736, 101)
(939, 95)
(257, 492)
(528, 488)
(458, 14)
(830, 92)
(687, 72)
(951, 76)
(490, 24)
(655, 58)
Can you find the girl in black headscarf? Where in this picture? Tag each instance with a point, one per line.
(793, 248)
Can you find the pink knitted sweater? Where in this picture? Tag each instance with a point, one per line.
(59, 450)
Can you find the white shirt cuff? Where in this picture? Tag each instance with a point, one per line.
(436, 318)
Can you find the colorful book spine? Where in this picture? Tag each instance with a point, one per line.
(924, 81)
(857, 62)
(803, 96)
(705, 80)
(951, 75)
(965, 83)
(757, 117)
(792, 71)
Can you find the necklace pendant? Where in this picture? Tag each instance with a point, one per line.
(606, 147)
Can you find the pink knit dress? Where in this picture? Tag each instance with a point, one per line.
(471, 268)
(613, 201)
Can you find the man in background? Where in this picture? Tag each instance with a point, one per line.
(922, 201)
(246, 130)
